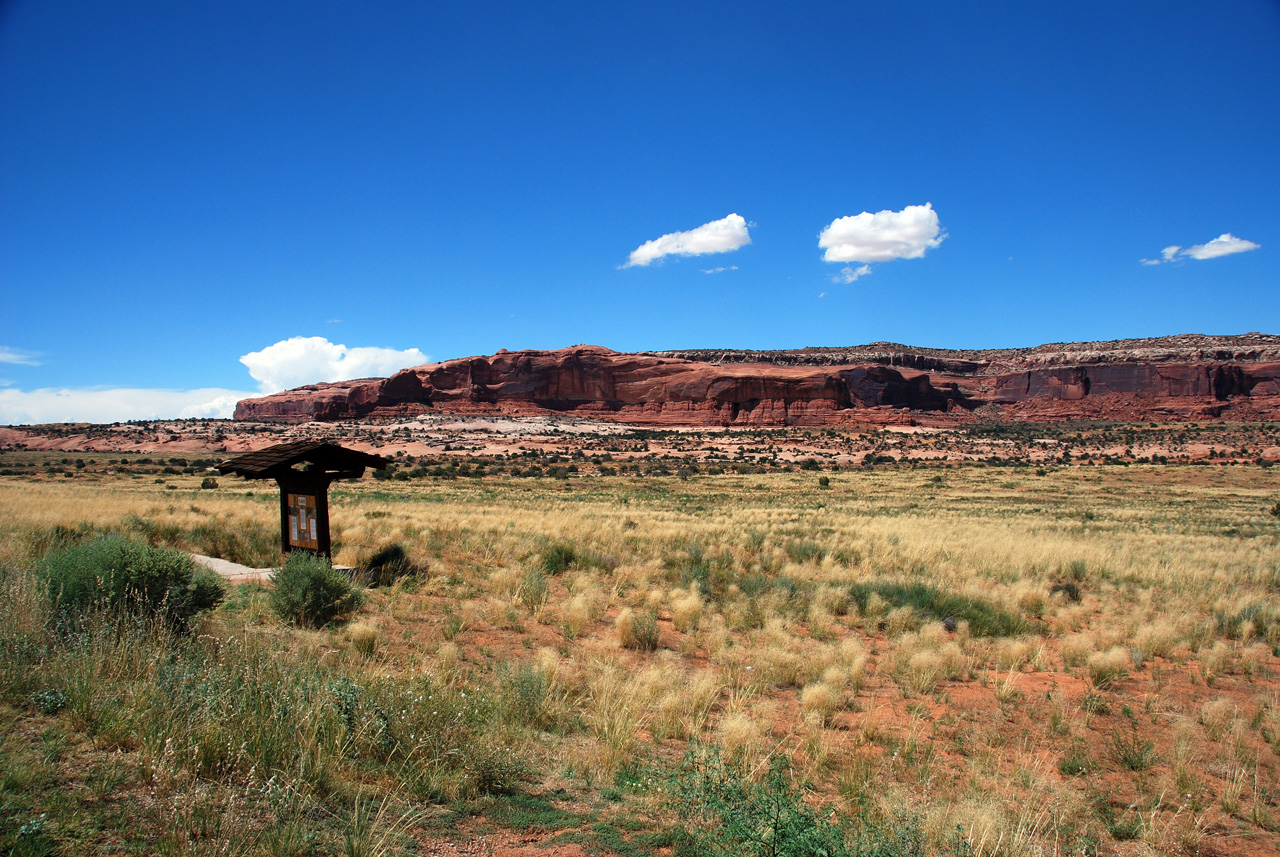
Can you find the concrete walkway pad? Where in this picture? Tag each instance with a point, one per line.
(234, 572)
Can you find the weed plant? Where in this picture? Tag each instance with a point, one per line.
(726, 812)
(1132, 749)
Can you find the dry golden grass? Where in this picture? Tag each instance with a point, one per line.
(364, 638)
(818, 702)
(1106, 668)
(686, 608)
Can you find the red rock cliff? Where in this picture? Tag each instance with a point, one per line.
(879, 383)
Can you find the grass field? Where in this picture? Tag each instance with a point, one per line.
(1016, 660)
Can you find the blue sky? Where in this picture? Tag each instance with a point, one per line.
(186, 184)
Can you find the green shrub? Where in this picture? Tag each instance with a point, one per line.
(311, 592)
(557, 558)
(50, 700)
(984, 618)
(387, 566)
(804, 552)
(118, 574)
(1070, 590)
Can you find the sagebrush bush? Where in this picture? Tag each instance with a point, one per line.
(114, 573)
(312, 593)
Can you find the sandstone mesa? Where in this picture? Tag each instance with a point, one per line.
(1175, 378)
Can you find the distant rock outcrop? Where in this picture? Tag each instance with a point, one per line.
(1171, 378)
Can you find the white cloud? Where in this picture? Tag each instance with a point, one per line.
(1224, 245)
(883, 236)
(719, 270)
(219, 407)
(312, 359)
(718, 236)
(848, 273)
(17, 356)
(50, 405)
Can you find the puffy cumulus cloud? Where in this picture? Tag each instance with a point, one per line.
(849, 274)
(718, 236)
(311, 359)
(218, 408)
(883, 236)
(17, 356)
(1225, 244)
(96, 405)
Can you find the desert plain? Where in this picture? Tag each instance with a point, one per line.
(998, 638)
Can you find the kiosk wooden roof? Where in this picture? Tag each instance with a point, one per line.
(289, 459)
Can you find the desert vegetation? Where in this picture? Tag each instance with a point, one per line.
(1001, 657)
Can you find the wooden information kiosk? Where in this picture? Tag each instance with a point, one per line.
(304, 470)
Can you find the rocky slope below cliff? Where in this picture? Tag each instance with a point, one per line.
(1173, 378)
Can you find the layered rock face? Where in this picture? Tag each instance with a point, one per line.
(1171, 378)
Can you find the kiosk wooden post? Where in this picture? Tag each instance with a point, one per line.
(304, 470)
